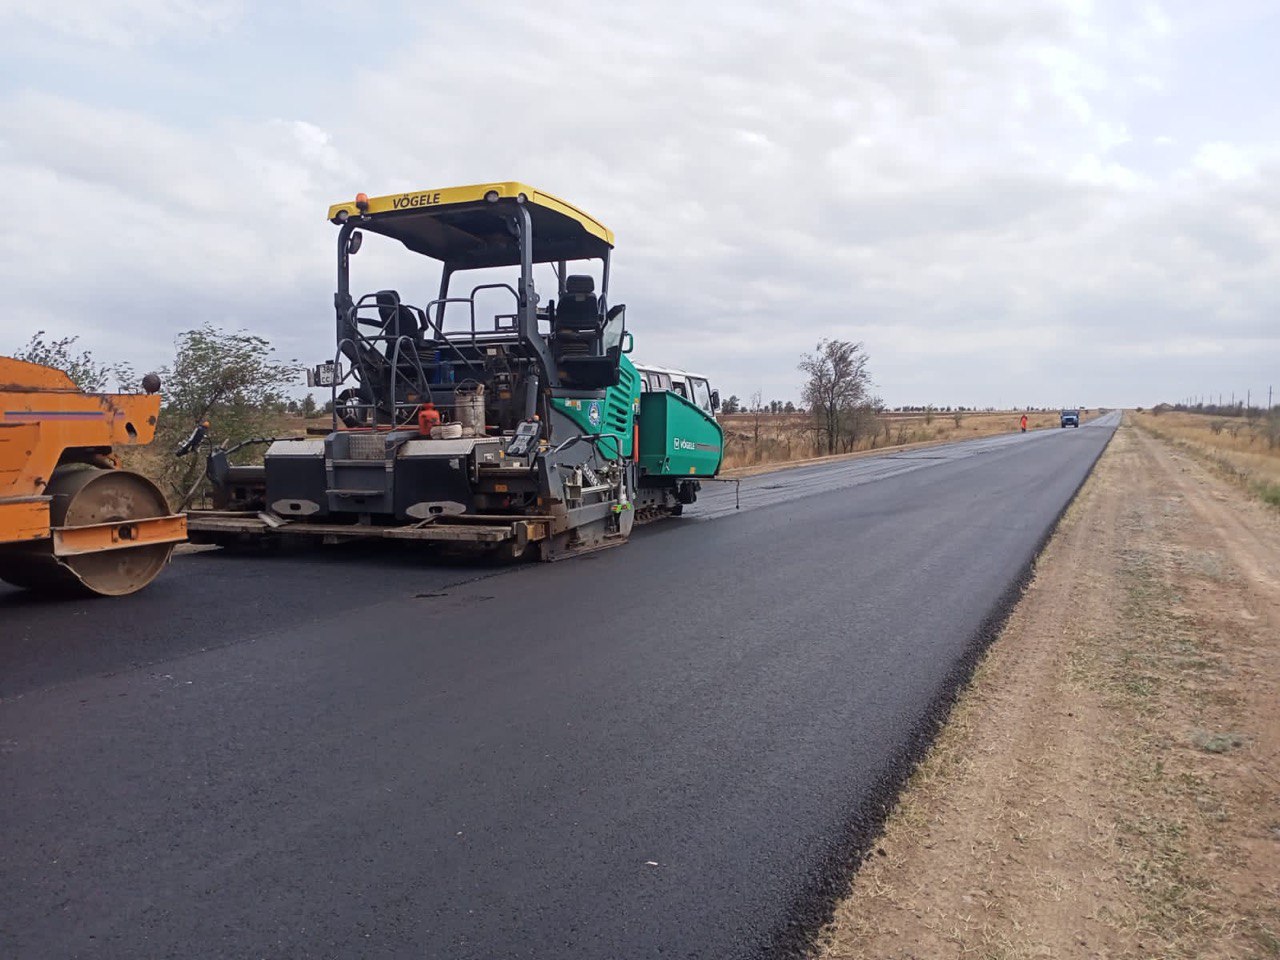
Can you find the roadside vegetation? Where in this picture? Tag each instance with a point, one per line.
(1242, 444)
(232, 380)
(838, 414)
(761, 437)
(79, 365)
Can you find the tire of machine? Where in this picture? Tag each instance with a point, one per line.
(84, 495)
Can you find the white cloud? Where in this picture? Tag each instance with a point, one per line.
(121, 23)
(1225, 161)
(968, 187)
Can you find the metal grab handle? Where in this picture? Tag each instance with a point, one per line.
(197, 437)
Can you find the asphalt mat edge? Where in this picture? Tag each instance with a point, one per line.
(814, 907)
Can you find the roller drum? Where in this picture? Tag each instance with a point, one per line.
(84, 495)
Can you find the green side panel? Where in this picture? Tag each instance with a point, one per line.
(615, 414)
(676, 438)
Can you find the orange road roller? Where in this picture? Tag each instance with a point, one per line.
(69, 516)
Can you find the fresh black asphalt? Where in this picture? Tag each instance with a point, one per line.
(677, 748)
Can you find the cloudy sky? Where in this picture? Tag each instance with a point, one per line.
(1008, 203)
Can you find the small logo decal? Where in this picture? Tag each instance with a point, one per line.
(593, 414)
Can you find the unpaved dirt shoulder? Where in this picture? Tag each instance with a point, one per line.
(1109, 784)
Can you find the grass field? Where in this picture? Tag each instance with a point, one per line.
(754, 439)
(1246, 450)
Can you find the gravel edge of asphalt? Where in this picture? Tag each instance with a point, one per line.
(814, 907)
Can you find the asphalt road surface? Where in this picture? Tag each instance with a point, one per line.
(672, 749)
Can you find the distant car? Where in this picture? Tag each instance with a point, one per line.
(1070, 418)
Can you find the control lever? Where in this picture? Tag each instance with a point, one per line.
(197, 437)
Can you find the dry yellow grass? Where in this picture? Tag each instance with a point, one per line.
(787, 437)
(1247, 451)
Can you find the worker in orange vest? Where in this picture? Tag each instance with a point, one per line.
(1024, 423)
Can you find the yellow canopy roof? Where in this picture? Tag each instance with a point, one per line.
(466, 227)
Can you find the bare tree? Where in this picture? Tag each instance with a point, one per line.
(757, 408)
(836, 392)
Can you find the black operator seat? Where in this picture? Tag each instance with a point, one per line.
(401, 320)
(398, 319)
(577, 318)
